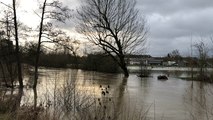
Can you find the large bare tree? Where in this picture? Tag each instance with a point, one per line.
(115, 26)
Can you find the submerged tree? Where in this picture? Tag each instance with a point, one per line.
(175, 55)
(202, 50)
(113, 25)
(53, 10)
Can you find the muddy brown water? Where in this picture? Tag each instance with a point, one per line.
(172, 99)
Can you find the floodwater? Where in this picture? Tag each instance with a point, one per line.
(172, 99)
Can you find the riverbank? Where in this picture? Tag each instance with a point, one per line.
(162, 68)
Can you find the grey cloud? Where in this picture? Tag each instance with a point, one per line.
(183, 24)
(172, 6)
(198, 22)
(161, 47)
(173, 22)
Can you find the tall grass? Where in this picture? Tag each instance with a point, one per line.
(199, 101)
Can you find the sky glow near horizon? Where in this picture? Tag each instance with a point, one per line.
(173, 24)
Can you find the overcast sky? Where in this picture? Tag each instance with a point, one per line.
(173, 24)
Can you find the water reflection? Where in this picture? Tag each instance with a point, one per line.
(198, 101)
(35, 98)
(76, 89)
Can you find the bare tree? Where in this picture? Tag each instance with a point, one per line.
(202, 50)
(113, 25)
(6, 50)
(15, 23)
(13, 30)
(7, 23)
(53, 10)
(17, 47)
(175, 55)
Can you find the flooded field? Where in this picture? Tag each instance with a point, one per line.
(172, 99)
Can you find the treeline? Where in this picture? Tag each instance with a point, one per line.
(93, 62)
(99, 62)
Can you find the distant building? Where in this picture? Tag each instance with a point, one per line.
(170, 63)
(163, 61)
(155, 61)
(137, 59)
(144, 59)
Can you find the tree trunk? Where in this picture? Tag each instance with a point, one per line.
(35, 98)
(126, 72)
(3, 74)
(124, 66)
(17, 48)
(39, 46)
